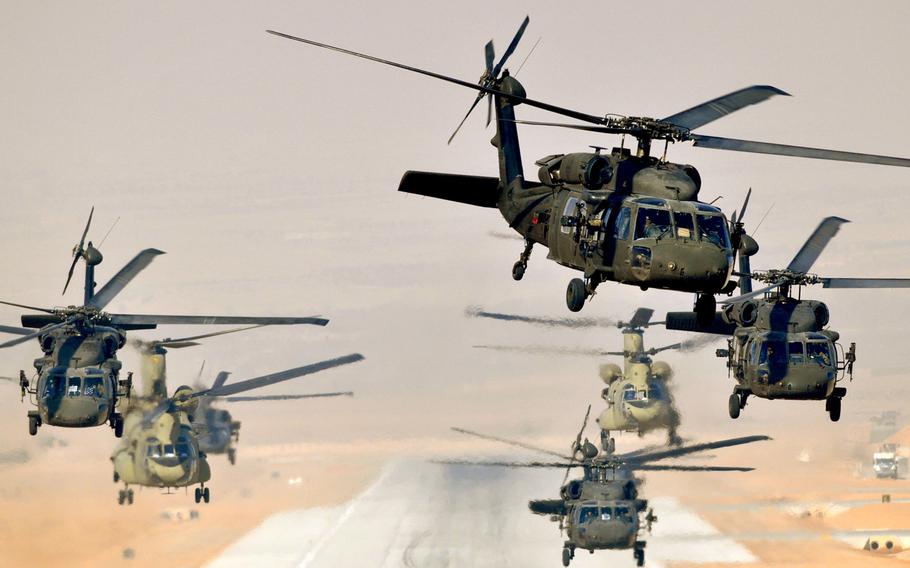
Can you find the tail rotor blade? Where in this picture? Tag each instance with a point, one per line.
(511, 49)
(77, 252)
(467, 114)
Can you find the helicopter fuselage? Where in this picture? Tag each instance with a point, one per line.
(603, 525)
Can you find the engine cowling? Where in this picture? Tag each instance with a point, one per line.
(592, 171)
(741, 313)
(661, 371)
(609, 372)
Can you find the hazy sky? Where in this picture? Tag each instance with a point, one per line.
(267, 170)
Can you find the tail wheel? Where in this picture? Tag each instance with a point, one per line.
(576, 294)
(734, 406)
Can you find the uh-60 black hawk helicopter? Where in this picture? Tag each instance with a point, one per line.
(619, 216)
(603, 510)
(781, 347)
(78, 380)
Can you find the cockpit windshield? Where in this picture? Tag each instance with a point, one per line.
(54, 387)
(652, 223)
(713, 228)
(685, 225)
(93, 386)
(623, 514)
(154, 448)
(73, 386)
(819, 353)
(587, 514)
(773, 352)
(606, 513)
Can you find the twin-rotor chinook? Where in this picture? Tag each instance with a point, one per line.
(619, 216)
(638, 394)
(163, 444)
(603, 510)
(77, 381)
(781, 346)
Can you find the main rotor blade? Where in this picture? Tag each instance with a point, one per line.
(508, 464)
(265, 380)
(865, 282)
(659, 467)
(574, 323)
(24, 338)
(191, 340)
(516, 99)
(710, 111)
(116, 284)
(511, 49)
(287, 396)
(641, 318)
(720, 143)
(815, 244)
(515, 443)
(220, 379)
(146, 319)
(742, 214)
(16, 330)
(751, 294)
(37, 309)
(546, 349)
(686, 450)
(77, 253)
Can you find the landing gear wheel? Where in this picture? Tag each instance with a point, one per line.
(232, 456)
(705, 306)
(129, 496)
(566, 556)
(734, 406)
(576, 294)
(205, 494)
(121, 497)
(117, 425)
(639, 557)
(116, 477)
(607, 442)
(834, 408)
(198, 494)
(33, 425)
(518, 270)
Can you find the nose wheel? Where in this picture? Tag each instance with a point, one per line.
(607, 442)
(202, 494)
(705, 307)
(125, 496)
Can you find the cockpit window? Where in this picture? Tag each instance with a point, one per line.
(685, 225)
(819, 353)
(621, 230)
(773, 352)
(796, 352)
(628, 393)
(587, 514)
(606, 513)
(623, 514)
(54, 387)
(713, 228)
(183, 451)
(92, 386)
(652, 223)
(73, 385)
(154, 449)
(169, 451)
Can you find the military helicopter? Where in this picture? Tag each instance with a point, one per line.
(78, 380)
(615, 216)
(162, 447)
(781, 346)
(638, 396)
(602, 510)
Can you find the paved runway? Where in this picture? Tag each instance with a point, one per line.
(419, 514)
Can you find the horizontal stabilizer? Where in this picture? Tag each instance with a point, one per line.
(686, 321)
(473, 190)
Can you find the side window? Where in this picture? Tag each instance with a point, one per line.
(652, 223)
(685, 225)
(570, 211)
(621, 231)
(796, 352)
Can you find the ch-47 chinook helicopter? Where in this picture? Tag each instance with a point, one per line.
(602, 510)
(218, 431)
(781, 346)
(638, 395)
(615, 216)
(162, 444)
(78, 380)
